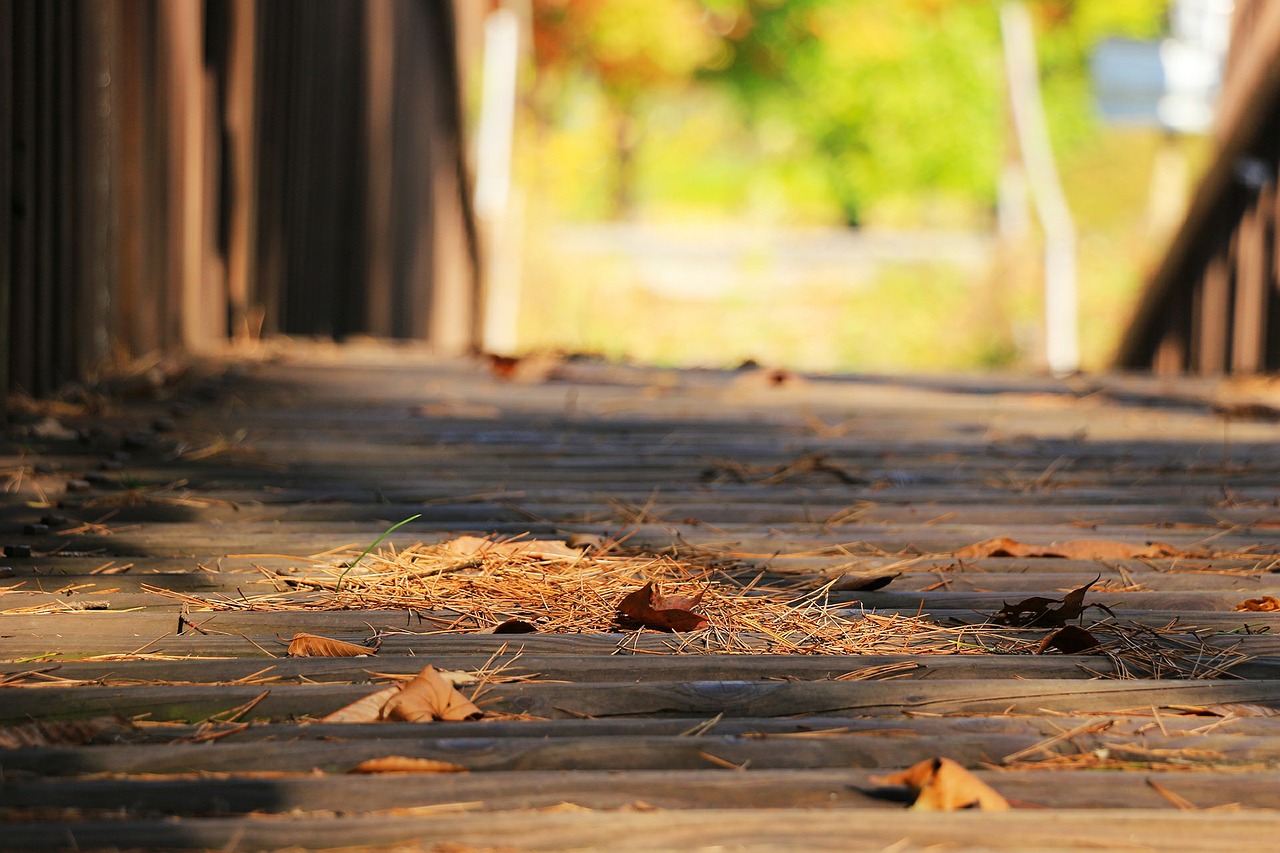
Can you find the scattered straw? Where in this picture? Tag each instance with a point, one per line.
(467, 592)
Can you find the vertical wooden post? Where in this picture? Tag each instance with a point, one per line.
(95, 235)
(1252, 292)
(1212, 314)
(238, 117)
(455, 310)
(181, 34)
(23, 199)
(7, 95)
(380, 81)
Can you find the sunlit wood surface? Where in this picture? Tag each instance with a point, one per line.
(623, 743)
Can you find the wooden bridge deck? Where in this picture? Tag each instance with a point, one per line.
(1163, 737)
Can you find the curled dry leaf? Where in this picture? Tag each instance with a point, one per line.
(429, 696)
(649, 608)
(862, 583)
(1265, 604)
(511, 626)
(366, 710)
(942, 785)
(1035, 612)
(315, 646)
(404, 764)
(1069, 640)
(1074, 549)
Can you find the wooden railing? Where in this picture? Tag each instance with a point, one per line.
(1212, 306)
(175, 173)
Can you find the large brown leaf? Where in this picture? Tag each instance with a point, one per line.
(942, 785)
(648, 608)
(315, 646)
(1265, 604)
(429, 696)
(1074, 549)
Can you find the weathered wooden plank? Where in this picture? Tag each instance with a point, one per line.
(699, 698)
(809, 788)
(591, 667)
(868, 748)
(752, 830)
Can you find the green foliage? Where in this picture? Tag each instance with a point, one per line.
(824, 109)
(887, 99)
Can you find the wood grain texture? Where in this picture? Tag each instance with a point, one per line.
(615, 723)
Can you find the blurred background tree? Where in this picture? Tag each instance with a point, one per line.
(828, 113)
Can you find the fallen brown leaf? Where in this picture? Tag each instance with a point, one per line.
(427, 697)
(648, 608)
(942, 785)
(1035, 612)
(404, 764)
(1074, 549)
(1069, 640)
(1265, 604)
(862, 583)
(511, 626)
(315, 646)
(366, 710)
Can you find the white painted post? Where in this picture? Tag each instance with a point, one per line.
(494, 137)
(1061, 324)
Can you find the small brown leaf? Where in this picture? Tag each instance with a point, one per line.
(942, 785)
(511, 626)
(315, 646)
(1035, 612)
(1073, 602)
(429, 697)
(403, 764)
(648, 608)
(862, 583)
(1265, 604)
(1069, 640)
